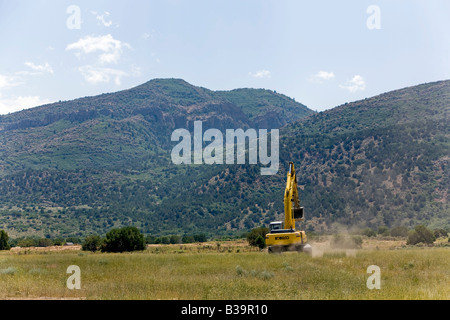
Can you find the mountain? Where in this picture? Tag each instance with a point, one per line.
(82, 166)
(85, 166)
(112, 130)
(381, 161)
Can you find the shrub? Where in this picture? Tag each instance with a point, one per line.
(257, 237)
(92, 243)
(383, 230)
(58, 242)
(400, 231)
(188, 239)
(27, 242)
(420, 234)
(124, 239)
(260, 242)
(4, 245)
(200, 237)
(438, 233)
(175, 240)
(240, 271)
(9, 270)
(149, 239)
(368, 232)
(266, 275)
(44, 242)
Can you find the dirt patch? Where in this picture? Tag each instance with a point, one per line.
(43, 249)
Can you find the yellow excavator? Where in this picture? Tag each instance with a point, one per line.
(281, 239)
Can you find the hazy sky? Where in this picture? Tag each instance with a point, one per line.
(322, 53)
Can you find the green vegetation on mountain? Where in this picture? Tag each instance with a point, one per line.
(87, 166)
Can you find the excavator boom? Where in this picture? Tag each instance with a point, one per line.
(292, 209)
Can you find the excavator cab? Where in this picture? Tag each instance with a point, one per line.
(275, 226)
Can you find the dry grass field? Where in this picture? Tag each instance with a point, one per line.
(228, 271)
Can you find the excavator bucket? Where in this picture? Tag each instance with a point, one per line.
(298, 213)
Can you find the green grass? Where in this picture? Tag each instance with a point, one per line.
(175, 272)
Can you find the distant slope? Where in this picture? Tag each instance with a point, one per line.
(114, 129)
(85, 166)
(107, 158)
(382, 161)
(266, 109)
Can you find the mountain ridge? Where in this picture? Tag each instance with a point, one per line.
(159, 95)
(364, 164)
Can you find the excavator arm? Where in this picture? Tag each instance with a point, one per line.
(292, 209)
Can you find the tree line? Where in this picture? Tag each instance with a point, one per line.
(127, 239)
(116, 240)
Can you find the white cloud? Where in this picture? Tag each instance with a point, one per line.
(357, 83)
(7, 81)
(20, 103)
(261, 74)
(112, 49)
(44, 68)
(95, 75)
(322, 76)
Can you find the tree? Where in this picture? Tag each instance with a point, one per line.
(200, 237)
(400, 231)
(44, 242)
(420, 234)
(438, 233)
(260, 242)
(124, 239)
(188, 239)
(92, 243)
(368, 232)
(4, 245)
(175, 239)
(254, 236)
(383, 230)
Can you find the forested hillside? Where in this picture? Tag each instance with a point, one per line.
(84, 166)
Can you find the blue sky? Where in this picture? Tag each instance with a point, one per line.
(322, 53)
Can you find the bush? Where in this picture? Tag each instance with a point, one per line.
(175, 239)
(27, 242)
(420, 234)
(440, 233)
(188, 239)
(149, 239)
(44, 242)
(260, 242)
(400, 231)
(257, 237)
(58, 242)
(4, 245)
(200, 237)
(384, 231)
(124, 239)
(92, 243)
(369, 232)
